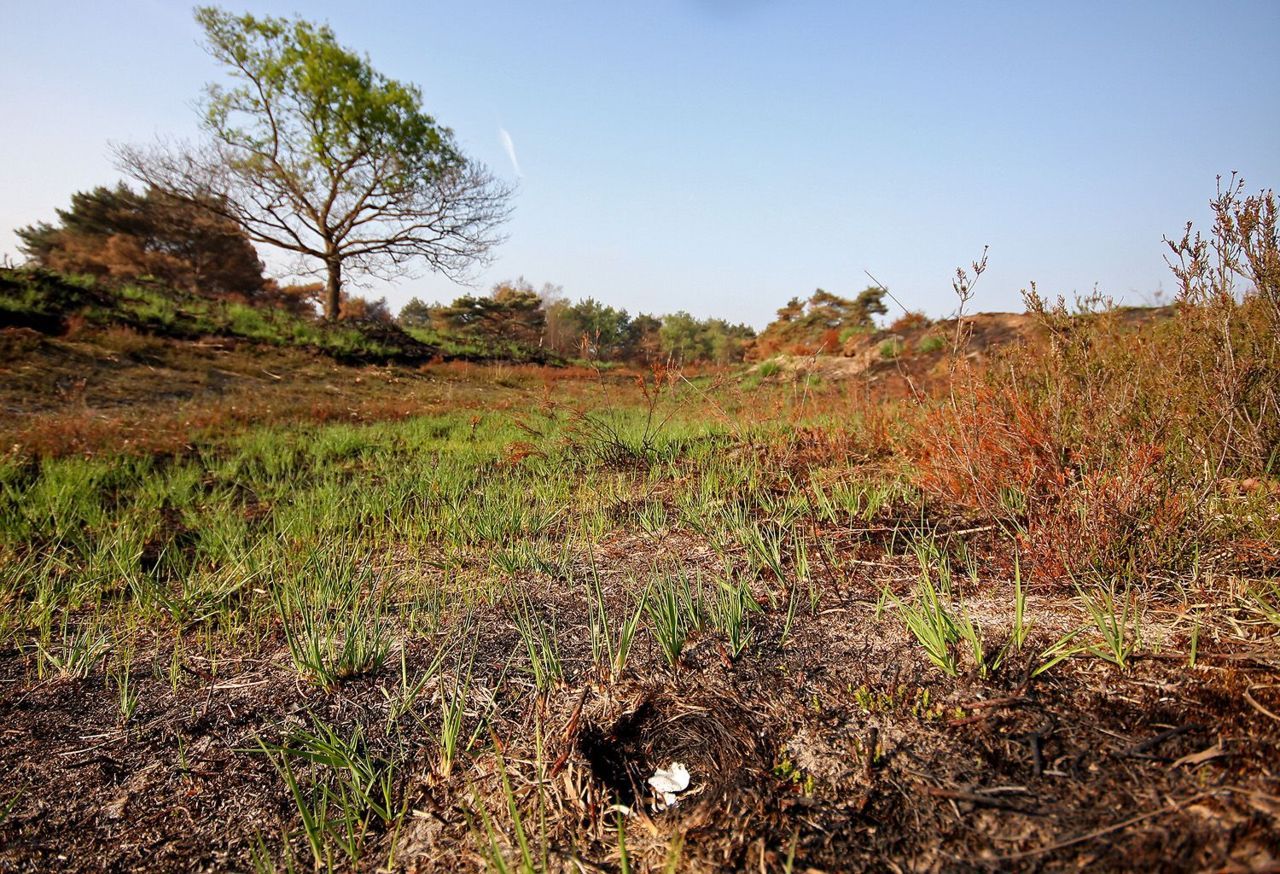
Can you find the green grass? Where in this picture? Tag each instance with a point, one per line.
(353, 791)
(731, 609)
(541, 644)
(670, 615)
(611, 640)
(74, 654)
(931, 343)
(890, 349)
(1116, 617)
(932, 622)
(333, 616)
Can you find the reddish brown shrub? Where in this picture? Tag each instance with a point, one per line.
(1109, 502)
(909, 321)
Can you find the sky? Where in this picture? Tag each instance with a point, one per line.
(722, 156)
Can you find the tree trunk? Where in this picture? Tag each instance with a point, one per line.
(333, 290)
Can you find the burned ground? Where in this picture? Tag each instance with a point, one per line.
(840, 747)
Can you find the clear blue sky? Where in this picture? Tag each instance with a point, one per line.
(722, 156)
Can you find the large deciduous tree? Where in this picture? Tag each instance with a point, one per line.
(311, 150)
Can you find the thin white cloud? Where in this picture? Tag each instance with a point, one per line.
(510, 146)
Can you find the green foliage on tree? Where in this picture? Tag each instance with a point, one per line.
(602, 331)
(514, 313)
(644, 339)
(119, 233)
(414, 314)
(311, 150)
(591, 329)
(511, 313)
(687, 339)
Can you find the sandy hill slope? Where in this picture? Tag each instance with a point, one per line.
(896, 360)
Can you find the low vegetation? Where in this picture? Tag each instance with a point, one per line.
(59, 304)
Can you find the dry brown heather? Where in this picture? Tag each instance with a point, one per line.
(1008, 611)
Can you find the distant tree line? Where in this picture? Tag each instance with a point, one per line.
(516, 312)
